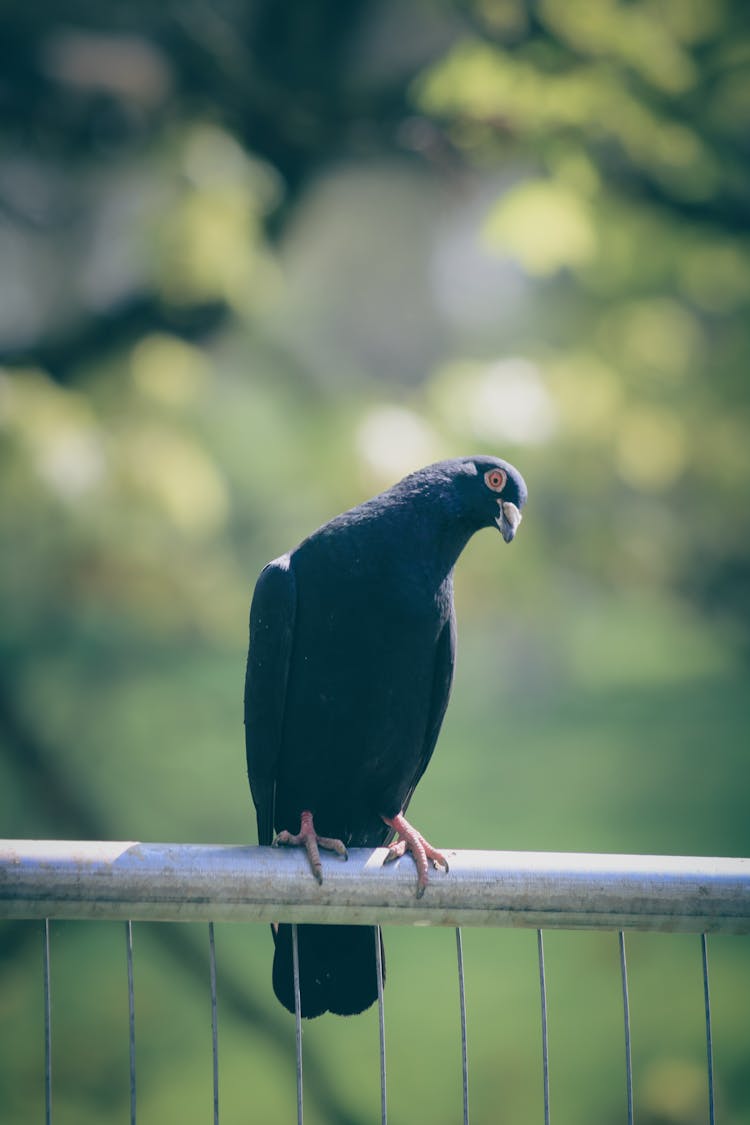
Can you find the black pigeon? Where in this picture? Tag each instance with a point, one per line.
(352, 639)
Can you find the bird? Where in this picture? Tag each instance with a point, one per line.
(348, 676)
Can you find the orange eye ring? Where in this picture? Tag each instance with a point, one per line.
(495, 479)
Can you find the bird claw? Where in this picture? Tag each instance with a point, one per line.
(395, 851)
(308, 839)
(413, 841)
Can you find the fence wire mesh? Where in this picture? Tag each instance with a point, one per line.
(64, 880)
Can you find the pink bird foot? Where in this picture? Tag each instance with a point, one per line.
(308, 839)
(411, 840)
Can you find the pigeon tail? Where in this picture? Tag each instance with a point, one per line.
(337, 968)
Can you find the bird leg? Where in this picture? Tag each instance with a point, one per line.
(411, 840)
(308, 838)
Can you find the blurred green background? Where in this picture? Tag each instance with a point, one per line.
(258, 260)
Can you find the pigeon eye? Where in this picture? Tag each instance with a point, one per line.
(495, 479)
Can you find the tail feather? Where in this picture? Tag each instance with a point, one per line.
(337, 968)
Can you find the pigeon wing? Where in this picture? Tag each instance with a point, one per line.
(445, 654)
(272, 617)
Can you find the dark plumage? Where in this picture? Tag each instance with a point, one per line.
(352, 639)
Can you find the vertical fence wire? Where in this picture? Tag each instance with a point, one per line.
(214, 1023)
(709, 1034)
(381, 1024)
(297, 1019)
(131, 1017)
(462, 1002)
(626, 1017)
(381, 1028)
(545, 1042)
(47, 1029)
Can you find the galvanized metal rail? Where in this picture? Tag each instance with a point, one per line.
(128, 880)
(185, 882)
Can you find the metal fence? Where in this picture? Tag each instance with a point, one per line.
(133, 881)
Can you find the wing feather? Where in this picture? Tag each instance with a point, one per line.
(272, 617)
(445, 656)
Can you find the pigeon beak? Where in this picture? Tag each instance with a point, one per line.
(508, 520)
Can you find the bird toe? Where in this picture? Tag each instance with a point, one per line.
(414, 842)
(308, 839)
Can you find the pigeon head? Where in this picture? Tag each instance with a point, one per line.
(474, 492)
(493, 492)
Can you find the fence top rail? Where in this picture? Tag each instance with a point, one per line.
(191, 882)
